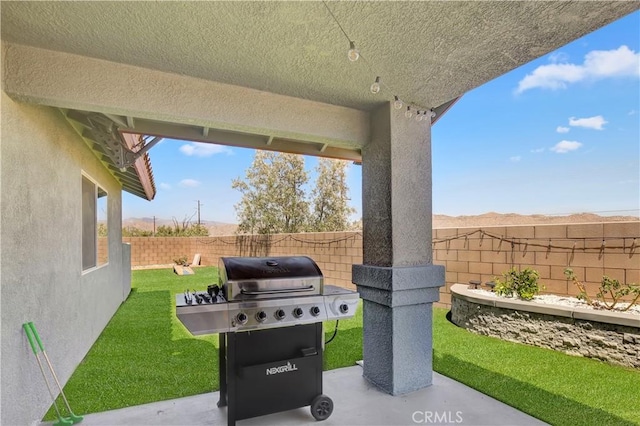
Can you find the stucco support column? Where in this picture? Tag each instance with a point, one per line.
(398, 281)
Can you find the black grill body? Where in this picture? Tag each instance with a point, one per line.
(268, 371)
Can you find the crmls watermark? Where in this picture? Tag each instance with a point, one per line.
(437, 417)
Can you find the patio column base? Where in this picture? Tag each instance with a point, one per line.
(397, 338)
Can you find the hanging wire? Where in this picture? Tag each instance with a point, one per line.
(370, 66)
(338, 23)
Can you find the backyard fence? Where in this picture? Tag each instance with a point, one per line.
(591, 250)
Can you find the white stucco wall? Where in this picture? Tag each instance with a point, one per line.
(42, 281)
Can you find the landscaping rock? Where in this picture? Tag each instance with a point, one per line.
(619, 344)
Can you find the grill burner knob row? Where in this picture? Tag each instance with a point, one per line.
(242, 318)
(261, 316)
(298, 312)
(315, 311)
(279, 314)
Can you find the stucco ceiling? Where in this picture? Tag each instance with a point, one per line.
(428, 53)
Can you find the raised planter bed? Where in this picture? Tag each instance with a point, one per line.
(609, 336)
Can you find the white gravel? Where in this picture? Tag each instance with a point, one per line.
(572, 302)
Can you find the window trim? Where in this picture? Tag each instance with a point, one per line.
(96, 187)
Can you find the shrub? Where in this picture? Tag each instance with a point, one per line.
(523, 283)
(609, 294)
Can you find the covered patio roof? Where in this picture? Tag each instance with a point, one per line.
(428, 53)
(274, 75)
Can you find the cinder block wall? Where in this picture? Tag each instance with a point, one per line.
(334, 252)
(591, 250)
(466, 253)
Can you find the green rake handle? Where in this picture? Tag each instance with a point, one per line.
(28, 332)
(36, 335)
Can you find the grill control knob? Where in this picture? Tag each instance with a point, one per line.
(242, 318)
(261, 316)
(315, 311)
(280, 314)
(344, 308)
(298, 312)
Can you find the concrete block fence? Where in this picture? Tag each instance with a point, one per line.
(592, 250)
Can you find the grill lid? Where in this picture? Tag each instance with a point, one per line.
(260, 268)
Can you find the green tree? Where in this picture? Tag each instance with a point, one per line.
(330, 197)
(273, 198)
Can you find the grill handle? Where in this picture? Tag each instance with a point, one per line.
(276, 291)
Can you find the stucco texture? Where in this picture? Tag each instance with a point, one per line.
(42, 159)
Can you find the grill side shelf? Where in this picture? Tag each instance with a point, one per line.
(203, 319)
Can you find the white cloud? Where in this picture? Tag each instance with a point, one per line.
(598, 64)
(537, 150)
(204, 149)
(561, 129)
(189, 183)
(558, 57)
(554, 76)
(563, 147)
(590, 123)
(515, 158)
(164, 186)
(633, 112)
(621, 62)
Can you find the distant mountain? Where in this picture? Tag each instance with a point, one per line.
(146, 224)
(439, 221)
(505, 219)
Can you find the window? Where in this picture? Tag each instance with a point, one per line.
(95, 244)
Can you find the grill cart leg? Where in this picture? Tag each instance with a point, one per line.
(222, 369)
(231, 378)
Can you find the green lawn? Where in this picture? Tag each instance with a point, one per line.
(146, 355)
(556, 388)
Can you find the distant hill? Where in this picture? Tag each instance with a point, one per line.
(500, 219)
(439, 221)
(146, 224)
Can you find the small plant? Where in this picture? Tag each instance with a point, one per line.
(181, 261)
(609, 294)
(523, 283)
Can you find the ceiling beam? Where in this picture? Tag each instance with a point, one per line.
(70, 81)
(118, 120)
(219, 137)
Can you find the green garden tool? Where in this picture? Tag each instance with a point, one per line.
(31, 332)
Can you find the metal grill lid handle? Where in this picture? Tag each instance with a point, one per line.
(277, 290)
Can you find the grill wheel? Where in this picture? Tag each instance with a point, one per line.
(321, 407)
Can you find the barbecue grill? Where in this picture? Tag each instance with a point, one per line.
(268, 313)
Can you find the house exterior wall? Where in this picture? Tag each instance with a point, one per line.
(42, 159)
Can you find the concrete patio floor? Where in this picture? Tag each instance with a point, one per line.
(356, 402)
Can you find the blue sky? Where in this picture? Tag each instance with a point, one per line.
(560, 134)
